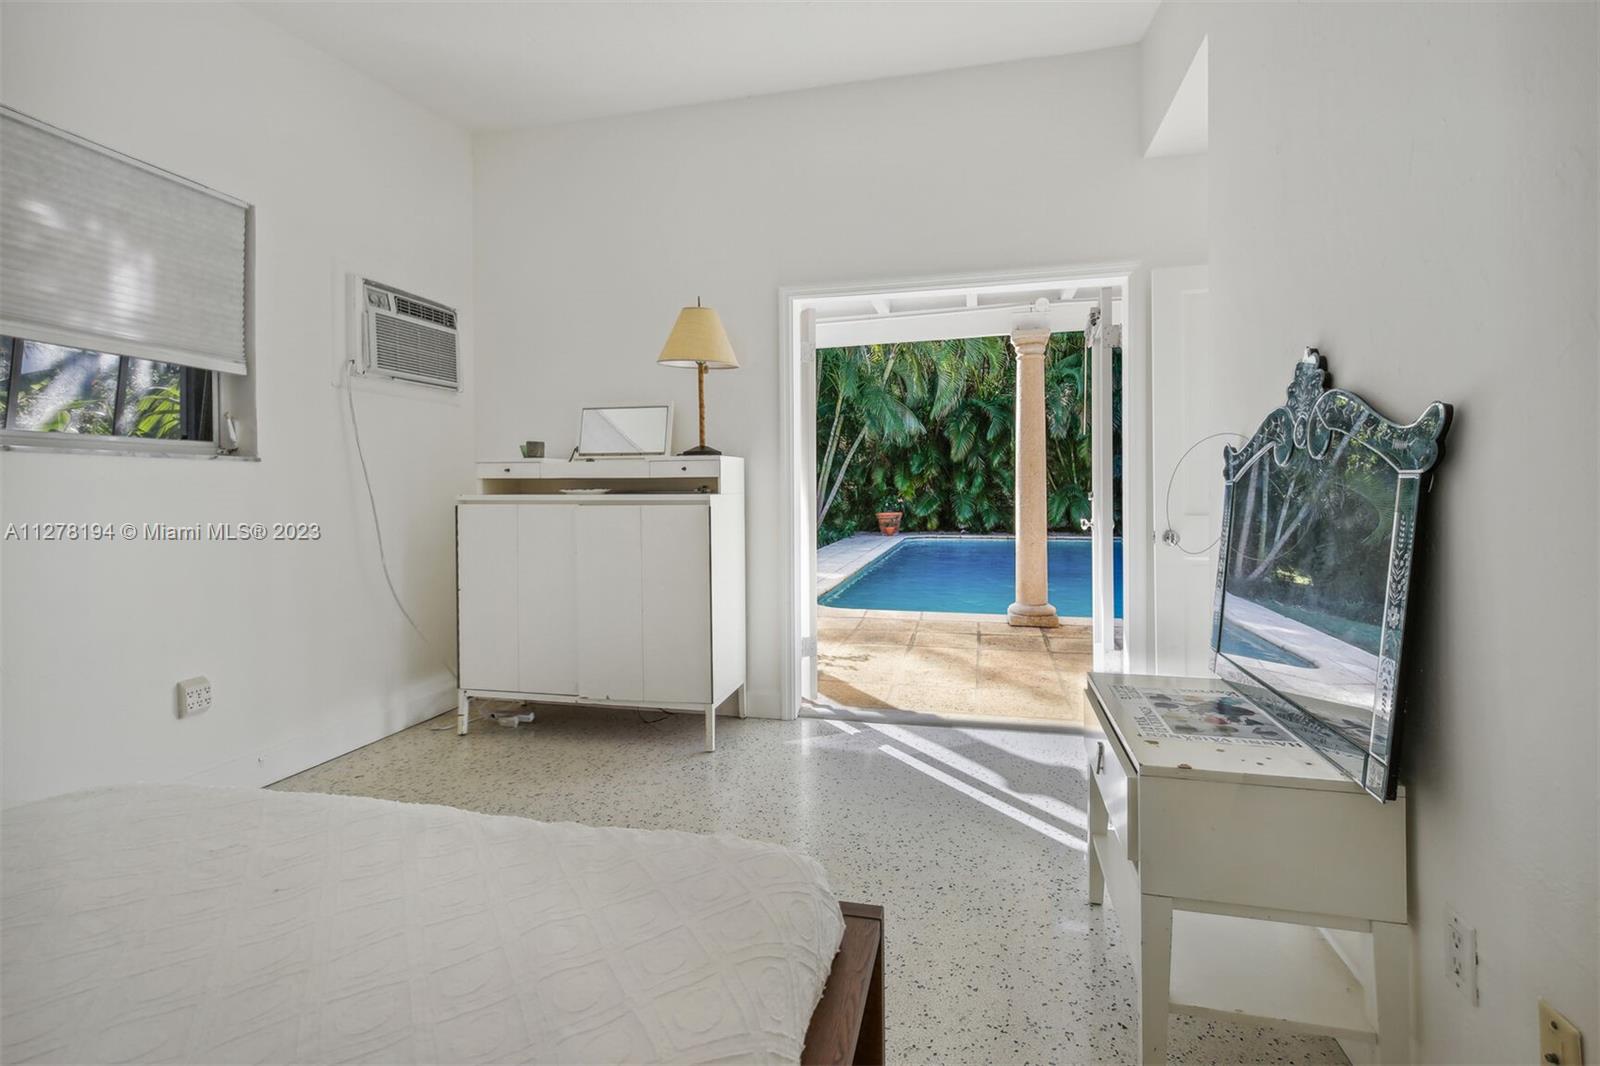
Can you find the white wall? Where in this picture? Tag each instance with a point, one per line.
(591, 236)
(1412, 188)
(307, 655)
(1165, 55)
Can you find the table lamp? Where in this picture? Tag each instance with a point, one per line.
(698, 340)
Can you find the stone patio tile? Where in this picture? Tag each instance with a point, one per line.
(938, 699)
(882, 633)
(1070, 637)
(996, 628)
(892, 616)
(940, 638)
(932, 623)
(824, 611)
(959, 663)
(1011, 703)
(1073, 662)
(1015, 640)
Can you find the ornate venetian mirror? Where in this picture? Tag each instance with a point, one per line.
(1319, 524)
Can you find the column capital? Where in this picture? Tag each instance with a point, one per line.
(1030, 343)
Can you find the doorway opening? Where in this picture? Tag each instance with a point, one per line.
(921, 547)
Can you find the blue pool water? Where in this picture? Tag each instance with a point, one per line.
(978, 576)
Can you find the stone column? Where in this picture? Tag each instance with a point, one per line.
(1033, 574)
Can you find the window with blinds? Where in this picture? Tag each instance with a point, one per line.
(103, 253)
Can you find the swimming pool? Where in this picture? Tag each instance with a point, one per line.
(976, 575)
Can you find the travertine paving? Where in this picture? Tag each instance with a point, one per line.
(951, 664)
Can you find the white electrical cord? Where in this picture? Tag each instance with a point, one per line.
(1170, 535)
(377, 526)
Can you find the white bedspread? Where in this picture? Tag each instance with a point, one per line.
(182, 924)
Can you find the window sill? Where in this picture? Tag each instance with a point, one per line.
(121, 446)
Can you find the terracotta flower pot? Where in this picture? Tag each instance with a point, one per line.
(889, 522)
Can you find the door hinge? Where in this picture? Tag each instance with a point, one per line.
(808, 647)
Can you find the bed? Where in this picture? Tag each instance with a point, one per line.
(188, 924)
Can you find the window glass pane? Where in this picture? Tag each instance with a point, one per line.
(152, 400)
(64, 390)
(5, 378)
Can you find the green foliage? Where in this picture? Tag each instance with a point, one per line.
(926, 428)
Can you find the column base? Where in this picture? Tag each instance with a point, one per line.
(1039, 615)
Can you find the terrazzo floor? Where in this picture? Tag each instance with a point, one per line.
(972, 839)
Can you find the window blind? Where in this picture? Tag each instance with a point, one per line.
(101, 251)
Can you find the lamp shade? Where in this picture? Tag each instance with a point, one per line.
(698, 337)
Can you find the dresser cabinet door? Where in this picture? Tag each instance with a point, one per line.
(609, 593)
(677, 602)
(547, 599)
(486, 575)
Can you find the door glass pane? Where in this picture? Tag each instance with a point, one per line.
(65, 390)
(5, 378)
(152, 400)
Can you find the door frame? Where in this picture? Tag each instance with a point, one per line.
(797, 447)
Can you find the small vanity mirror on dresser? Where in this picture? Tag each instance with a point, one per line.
(1232, 818)
(605, 432)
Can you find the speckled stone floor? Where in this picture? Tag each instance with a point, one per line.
(971, 839)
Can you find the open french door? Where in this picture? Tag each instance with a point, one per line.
(1099, 339)
(1186, 442)
(806, 349)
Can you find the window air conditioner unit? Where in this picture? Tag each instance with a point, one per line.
(406, 337)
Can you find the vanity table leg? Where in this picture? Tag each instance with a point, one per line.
(711, 728)
(463, 712)
(1097, 826)
(1155, 976)
(739, 696)
(1391, 959)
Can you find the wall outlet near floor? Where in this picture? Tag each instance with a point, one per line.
(194, 696)
(1560, 1042)
(1463, 956)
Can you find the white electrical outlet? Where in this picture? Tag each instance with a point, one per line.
(1462, 946)
(194, 696)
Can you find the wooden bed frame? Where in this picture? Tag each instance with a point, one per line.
(847, 1027)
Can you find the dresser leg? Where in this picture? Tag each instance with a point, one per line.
(739, 694)
(463, 712)
(1097, 825)
(1391, 965)
(711, 728)
(1155, 976)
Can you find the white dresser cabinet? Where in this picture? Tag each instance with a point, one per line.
(632, 598)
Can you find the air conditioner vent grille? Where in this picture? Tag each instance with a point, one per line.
(413, 350)
(427, 312)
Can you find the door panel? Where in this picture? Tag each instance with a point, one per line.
(486, 554)
(610, 625)
(1183, 391)
(677, 602)
(547, 595)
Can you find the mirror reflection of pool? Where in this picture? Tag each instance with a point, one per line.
(969, 575)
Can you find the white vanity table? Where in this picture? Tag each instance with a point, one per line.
(1227, 858)
(632, 596)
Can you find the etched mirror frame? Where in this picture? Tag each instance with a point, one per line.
(1313, 416)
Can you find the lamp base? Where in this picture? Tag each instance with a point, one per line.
(700, 449)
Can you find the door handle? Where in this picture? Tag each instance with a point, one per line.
(1100, 757)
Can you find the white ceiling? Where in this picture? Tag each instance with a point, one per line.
(499, 65)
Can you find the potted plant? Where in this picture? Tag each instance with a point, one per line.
(889, 517)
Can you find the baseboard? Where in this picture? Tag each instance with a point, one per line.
(356, 729)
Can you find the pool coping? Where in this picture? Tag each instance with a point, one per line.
(867, 558)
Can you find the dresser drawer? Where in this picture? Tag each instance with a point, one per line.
(686, 467)
(510, 468)
(1113, 774)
